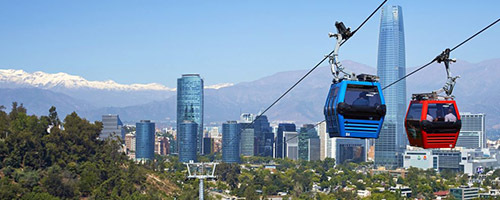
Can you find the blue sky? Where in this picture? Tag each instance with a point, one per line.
(224, 41)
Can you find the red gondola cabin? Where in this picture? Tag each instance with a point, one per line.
(432, 123)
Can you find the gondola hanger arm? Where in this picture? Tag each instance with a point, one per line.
(342, 35)
(444, 57)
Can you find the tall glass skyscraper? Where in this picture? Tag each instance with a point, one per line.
(144, 140)
(231, 142)
(186, 135)
(390, 146)
(190, 104)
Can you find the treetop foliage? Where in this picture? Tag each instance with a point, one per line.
(44, 158)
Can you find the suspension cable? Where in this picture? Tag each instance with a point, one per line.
(309, 72)
(316, 66)
(487, 27)
(414, 71)
(434, 60)
(391, 84)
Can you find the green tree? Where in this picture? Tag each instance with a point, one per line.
(8, 189)
(229, 173)
(38, 196)
(16, 110)
(59, 183)
(250, 193)
(54, 119)
(4, 123)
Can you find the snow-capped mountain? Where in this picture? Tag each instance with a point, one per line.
(96, 93)
(48, 81)
(304, 104)
(218, 86)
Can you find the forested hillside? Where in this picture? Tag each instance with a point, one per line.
(45, 158)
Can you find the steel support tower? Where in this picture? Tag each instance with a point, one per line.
(201, 171)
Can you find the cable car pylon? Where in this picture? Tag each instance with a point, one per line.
(198, 171)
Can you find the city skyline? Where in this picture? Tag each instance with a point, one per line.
(161, 45)
(227, 123)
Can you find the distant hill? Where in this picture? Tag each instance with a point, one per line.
(38, 101)
(476, 91)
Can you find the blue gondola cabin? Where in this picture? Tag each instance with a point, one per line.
(355, 108)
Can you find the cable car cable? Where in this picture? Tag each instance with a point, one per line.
(311, 70)
(487, 27)
(316, 66)
(420, 68)
(322, 60)
(407, 75)
(366, 20)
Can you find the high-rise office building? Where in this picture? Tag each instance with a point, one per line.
(391, 66)
(325, 142)
(264, 138)
(247, 140)
(342, 149)
(247, 137)
(307, 132)
(173, 144)
(112, 126)
(231, 142)
(280, 142)
(313, 148)
(190, 104)
(130, 142)
(208, 145)
(186, 135)
(291, 144)
(269, 144)
(144, 140)
(473, 133)
(162, 146)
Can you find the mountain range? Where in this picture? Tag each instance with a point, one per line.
(475, 92)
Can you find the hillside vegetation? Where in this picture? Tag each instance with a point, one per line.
(45, 158)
